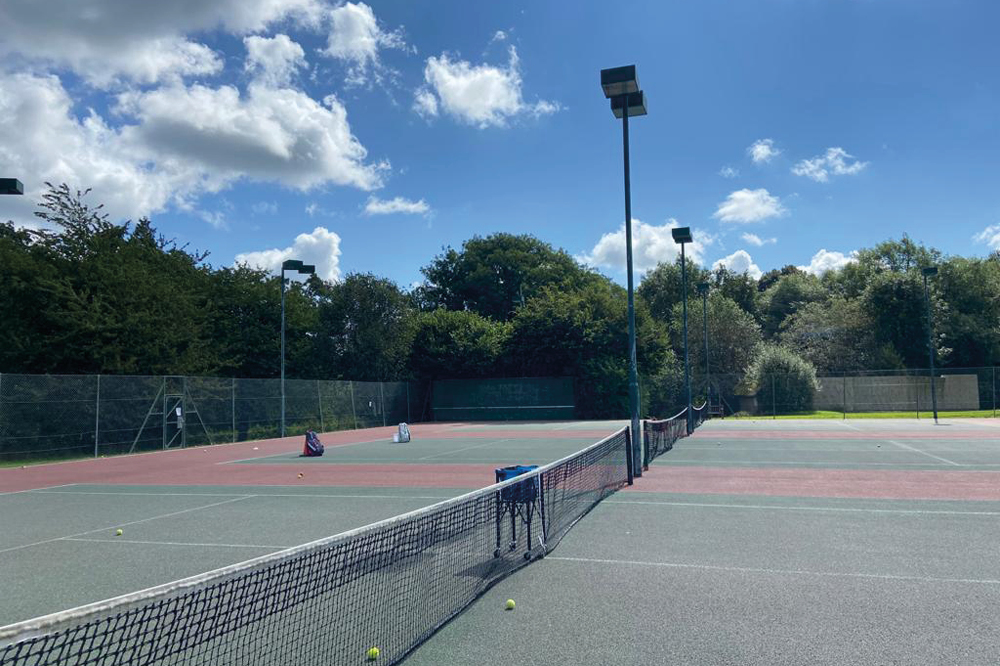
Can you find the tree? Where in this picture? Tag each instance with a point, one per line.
(894, 302)
(787, 295)
(584, 334)
(738, 287)
(493, 276)
(782, 380)
(450, 344)
(663, 287)
(733, 338)
(365, 327)
(971, 327)
(768, 279)
(837, 335)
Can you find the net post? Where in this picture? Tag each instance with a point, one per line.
(628, 454)
(97, 416)
(407, 401)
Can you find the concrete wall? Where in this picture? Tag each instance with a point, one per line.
(889, 393)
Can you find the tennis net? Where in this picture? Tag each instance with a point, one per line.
(659, 435)
(388, 585)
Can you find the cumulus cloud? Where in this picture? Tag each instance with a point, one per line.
(754, 239)
(762, 151)
(728, 172)
(321, 247)
(273, 60)
(990, 236)
(499, 36)
(356, 38)
(651, 245)
(107, 41)
(825, 260)
(376, 206)
(740, 262)
(835, 162)
(749, 206)
(177, 142)
(480, 95)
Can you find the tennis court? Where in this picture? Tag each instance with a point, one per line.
(779, 542)
(768, 542)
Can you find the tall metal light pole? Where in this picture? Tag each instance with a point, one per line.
(11, 186)
(927, 272)
(682, 235)
(621, 86)
(703, 290)
(304, 269)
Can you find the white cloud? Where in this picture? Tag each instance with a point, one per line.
(651, 245)
(425, 104)
(762, 151)
(106, 41)
(273, 60)
(824, 261)
(215, 218)
(176, 143)
(754, 239)
(499, 36)
(269, 134)
(264, 208)
(833, 163)
(376, 206)
(990, 236)
(321, 247)
(729, 172)
(480, 95)
(740, 262)
(749, 206)
(356, 38)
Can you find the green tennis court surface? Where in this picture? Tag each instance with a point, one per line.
(782, 542)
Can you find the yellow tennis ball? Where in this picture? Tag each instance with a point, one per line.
(373, 653)
(510, 604)
(118, 532)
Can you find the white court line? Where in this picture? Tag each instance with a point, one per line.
(778, 572)
(835, 509)
(257, 495)
(178, 543)
(924, 453)
(31, 490)
(467, 448)
(134, 522)
(847, 425)
(276, 455)
(708, 462)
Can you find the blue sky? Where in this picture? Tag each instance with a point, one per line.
(367, 137)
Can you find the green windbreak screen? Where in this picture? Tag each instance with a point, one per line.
(520, 399)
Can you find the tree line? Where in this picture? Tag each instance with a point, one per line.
(87, 295)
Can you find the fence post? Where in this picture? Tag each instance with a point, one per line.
(319, 401)
(381, 400)
(845, 394)
(234, 408)
(774, 412)
(354, 411)
(407, 402)
(916, 390)
(97, 415)
(994, 391)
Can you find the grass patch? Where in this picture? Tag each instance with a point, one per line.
(826, 414)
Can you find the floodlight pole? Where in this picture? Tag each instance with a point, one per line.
(282, 350)
(303, 269)
(703, 288)
(927, 272)
(633, 373)
(687, 362)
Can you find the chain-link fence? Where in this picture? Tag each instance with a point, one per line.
(956, 391)
(52, 416)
